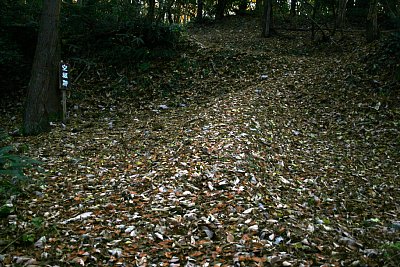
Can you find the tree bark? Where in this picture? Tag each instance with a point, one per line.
(242, 7)
(267, 19)
(220, 9)
(315, 8)
(151, 10)
(259, 7)
(293, 5)
(372, 32)
(341, 13)
(44, 100)
(362, 4)
(199, 14)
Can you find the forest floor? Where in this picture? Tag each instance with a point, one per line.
(258, 152)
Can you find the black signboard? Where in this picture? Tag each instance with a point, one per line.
(64, 75)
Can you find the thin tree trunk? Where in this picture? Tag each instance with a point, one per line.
(341, 13)
(267, 19)
(151, 10)
(372, 32)
(199, 15)
(293, 5)
(242, 7)
(168, 11)
(314, 14)
(259, 7)
(220, 10)
(43, 99)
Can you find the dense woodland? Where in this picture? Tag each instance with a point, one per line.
(200, 133)
(128, 33)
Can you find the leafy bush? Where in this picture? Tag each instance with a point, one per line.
(134, 42)
(107, 33)
(387, 57)
(391, 55)
(392, 254)
(12, 176)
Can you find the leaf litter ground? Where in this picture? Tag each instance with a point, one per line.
(270, 153)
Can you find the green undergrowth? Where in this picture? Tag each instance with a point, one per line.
(392, 253)
(13, 179)
(386, 58)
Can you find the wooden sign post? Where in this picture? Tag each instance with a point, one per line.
(64, 85)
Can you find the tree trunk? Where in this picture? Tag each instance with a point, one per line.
(341, 13)
(314, 15)
(169, 12)
(361, 4)
(43, 100)
(199, 15)
(169, 16)
(151, 10)
(259, 7)
(372, 32)
(220, 10)
(267, 19)
(293, 5)
(242, 7)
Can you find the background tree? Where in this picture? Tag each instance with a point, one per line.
(220, 9)
(199, 13)
(117, 32)
(243, 4)
(267, 19)
(151, 10)
(43, 99)
(341, 11)
(293, 4)
(372, 32)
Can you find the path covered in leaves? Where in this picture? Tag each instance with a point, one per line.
(285, 157)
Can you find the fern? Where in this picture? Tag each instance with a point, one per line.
(12, 175)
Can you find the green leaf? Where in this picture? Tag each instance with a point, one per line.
(5, 150)
(28, 238)
(6, 210)
(37, 222)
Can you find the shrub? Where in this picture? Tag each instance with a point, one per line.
(12, 176)
(385, 59)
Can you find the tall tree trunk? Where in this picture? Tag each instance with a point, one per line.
(151, 10)
(362, 4)
(267, 19)
(199, 15)
(341, 13)
(169, 11)
(259, 7)
(220, 10)
(43, 100)
(162, 10)
(169, 16)
(293, 5)
(314, 15)
(372, 32)
(242, 7)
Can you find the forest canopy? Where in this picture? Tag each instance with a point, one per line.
(126, 33)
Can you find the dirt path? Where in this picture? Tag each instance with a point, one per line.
(286, 163)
